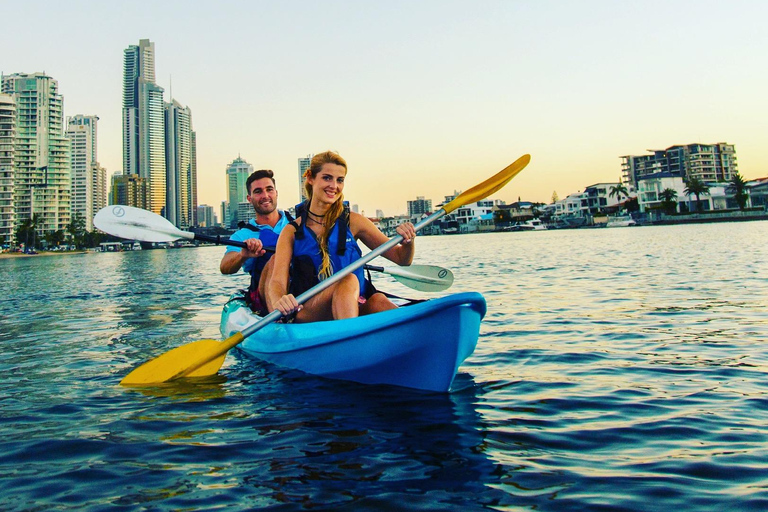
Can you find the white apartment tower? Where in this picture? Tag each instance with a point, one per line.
(193, 180)
(180, 155)
(41, 158)
(143, 122)
(7, 151)
(89, 179)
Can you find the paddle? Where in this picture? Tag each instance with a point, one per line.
(424, 278)
(137, 224)
(205, 357)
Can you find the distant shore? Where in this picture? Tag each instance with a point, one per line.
(8, 255)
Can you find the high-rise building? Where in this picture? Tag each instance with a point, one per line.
(193, 179)
(304, 164)
(707, 162)
(237, 174)
(7, 151)
(89, 180)
(245, 211)
(179, 160)
(41, 158)
(206, 217)
(131, 190)
(143, 122)
(419, 207)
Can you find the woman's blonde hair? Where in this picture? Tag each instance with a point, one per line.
(330, 218)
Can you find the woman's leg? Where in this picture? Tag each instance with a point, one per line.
(376, 303)
(334, 303)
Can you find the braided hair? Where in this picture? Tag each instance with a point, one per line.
(330, 218)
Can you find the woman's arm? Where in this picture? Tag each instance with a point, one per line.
(364, 230)
(277, 288)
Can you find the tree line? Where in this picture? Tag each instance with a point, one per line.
(696, 187)
(75, 234)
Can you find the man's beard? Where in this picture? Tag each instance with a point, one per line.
(264, 211)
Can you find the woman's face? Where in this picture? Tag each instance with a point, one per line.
(328, 183)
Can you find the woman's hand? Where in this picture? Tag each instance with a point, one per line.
(287, 305)
(407, 231)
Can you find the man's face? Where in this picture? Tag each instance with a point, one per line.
(263, 196)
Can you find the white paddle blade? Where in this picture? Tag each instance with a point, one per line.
(136, 224)
(425, 278)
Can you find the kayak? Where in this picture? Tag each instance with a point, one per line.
(415, 346)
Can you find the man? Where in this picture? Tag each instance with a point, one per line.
(259, 233)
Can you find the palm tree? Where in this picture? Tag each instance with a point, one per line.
(76, 229)
(28, 227)
(618, 190)
(738, 187)
(694, 186)
(668, 200)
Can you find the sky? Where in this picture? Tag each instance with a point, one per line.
(422, 98)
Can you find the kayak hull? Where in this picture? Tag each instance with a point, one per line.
(418, 346)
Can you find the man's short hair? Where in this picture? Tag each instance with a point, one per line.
(257, 175)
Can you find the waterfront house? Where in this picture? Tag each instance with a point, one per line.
(758, 193)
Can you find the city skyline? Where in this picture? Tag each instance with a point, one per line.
(421, 100)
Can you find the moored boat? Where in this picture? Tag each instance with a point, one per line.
(529, 225)
(417, 346)
(620, 221)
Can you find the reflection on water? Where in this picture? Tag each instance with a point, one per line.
(618, 369)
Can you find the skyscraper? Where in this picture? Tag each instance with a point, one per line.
(237, 174)
(304, 164)
(206, 216)
(89, 180)
(41, 159)
(130, 189)
(193, 180)
(7, 151)
(143, 122)
(179, 160)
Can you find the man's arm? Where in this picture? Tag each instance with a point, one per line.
(233, 260)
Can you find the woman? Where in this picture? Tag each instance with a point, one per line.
(320, 242)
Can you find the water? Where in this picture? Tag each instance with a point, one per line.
(617, 369)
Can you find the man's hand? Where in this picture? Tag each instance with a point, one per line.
(233, 260)
(254, 250)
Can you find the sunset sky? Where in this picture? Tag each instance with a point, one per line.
(421, 97)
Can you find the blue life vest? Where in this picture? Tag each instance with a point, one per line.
(307, 259)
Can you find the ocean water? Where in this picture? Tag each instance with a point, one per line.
(617, 369)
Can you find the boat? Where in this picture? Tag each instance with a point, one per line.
(415, 346)
(620, 221)
(529, 225)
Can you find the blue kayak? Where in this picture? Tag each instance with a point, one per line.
(416, 346)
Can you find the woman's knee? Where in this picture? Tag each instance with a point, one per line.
(349, 285)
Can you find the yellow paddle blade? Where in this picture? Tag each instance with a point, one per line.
(197, 359)
(489, 186)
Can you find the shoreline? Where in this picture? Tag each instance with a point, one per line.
(10, 255)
